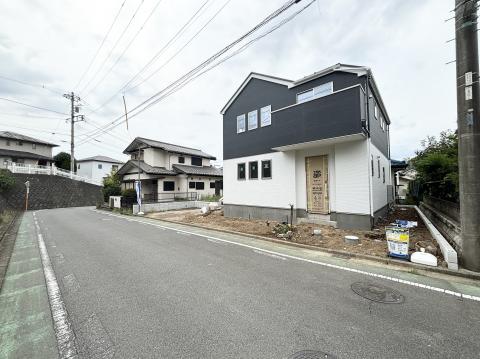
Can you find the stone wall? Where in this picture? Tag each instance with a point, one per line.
(447, 226)
(50, 192)
(449, 209)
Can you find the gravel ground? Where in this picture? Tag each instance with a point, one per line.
(371, 242)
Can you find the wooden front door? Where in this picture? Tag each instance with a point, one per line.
(317, 184)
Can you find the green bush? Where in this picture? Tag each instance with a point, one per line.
(111, 186)
(7, 180)
(130, 195)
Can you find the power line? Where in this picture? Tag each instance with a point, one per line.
(113, 48)
(181, 49)
(101, 45)
(126, 48)
(38, 108)
(159, 52)
(29, 116)
(30, 84)
(184, 79)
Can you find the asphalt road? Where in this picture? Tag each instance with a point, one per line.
(134, 290)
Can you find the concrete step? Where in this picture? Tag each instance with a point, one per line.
(320, 219)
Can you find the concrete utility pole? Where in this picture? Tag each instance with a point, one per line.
(71, 96)
(468, 118)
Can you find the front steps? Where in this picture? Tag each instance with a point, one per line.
(320, 219)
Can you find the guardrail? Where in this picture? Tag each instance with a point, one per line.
(48, 170)
(169, 197)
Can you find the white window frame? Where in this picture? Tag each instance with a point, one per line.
(241, 118)
(316, 92)
(264, 111)
(250, 115)
(375, 110)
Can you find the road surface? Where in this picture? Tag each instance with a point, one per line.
(136, 290)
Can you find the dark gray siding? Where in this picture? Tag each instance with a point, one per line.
(331, 116)
(379, 137)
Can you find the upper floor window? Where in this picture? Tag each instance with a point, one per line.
(20, 143)
(375, 110)
(316, 92)
(373, 168)
(252, 120)
(383, 172)
(34, 145)
(115, 168)
(100, 166)
(8, 142)
(378, 164)
(241, 171)
(196, 161)
(181, 159)
(266, 116)
(241, 123)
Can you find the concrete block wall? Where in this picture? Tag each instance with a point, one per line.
(50, 192)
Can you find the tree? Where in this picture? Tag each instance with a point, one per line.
(112, 186)
(62, 160)
(437, 165)
(7, 180)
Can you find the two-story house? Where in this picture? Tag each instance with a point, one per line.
(320, 143)
(21, 149)
(97, 167)
(167, 171)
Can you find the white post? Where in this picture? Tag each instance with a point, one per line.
(13, 167)
(29, 168)
(54, 169)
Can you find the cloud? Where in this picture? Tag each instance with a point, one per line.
(52, 43)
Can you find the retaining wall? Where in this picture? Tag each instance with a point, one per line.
(169, 206)
(48, 191)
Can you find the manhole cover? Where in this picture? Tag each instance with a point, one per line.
(311, 354)
(377, 293)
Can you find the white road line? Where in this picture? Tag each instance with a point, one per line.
(270, 255)
(63, 329)
(334, 266)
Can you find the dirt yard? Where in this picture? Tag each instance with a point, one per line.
(371, 242)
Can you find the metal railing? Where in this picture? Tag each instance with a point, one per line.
(48, 170)
(169, 197)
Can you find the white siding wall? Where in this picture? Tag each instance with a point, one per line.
(352, 177)
(301, 175)
(379, 189)
(155, 157)
(277, 192)
(90, 169)
(85, 169)
(43, 150)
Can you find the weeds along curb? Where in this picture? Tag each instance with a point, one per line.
(7, 243)
(336, 253)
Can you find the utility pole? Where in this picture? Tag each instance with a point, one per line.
(468, 118)
(71, 96)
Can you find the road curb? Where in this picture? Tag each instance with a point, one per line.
(337, 253)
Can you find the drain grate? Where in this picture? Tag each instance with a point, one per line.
(377, 293)
(311, 354)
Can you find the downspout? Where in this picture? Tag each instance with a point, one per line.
(369, 158)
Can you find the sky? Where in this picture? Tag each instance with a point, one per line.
(51, 44)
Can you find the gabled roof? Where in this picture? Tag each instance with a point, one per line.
(255, 75)
(141, 142)
(100, 159)
(198, 171)
(355, 69)
(20, 137)
(23, 154)
(145, 168)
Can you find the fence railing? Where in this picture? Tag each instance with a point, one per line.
(169, 197)
(48, 170)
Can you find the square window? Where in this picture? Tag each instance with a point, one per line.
(241, 171)
(115, 168)
(181, 159)
(168, 186)
(267, 169)
(20, 143)
(266, 116)
(199, 185)
(241, 123)
(212, 184)
(100, 166)
(253, 170)
(191, 184)
(196, 161)
(252, 120)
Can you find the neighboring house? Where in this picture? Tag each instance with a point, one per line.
(22, 149)
(168, 171)
(97, 167)
(320, 143)
(400, 181)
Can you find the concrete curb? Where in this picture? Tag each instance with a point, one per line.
(338, 253)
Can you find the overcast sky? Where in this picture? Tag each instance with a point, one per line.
(52, 43)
